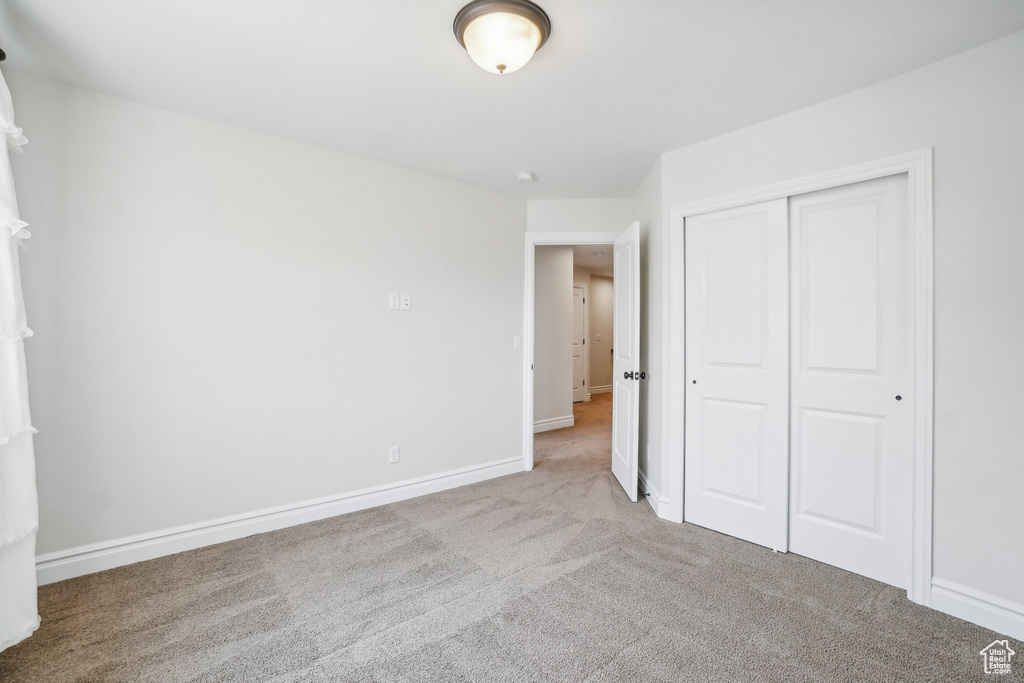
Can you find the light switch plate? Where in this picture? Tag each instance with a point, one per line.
(394, 301)
(517, 342)
(406, 302)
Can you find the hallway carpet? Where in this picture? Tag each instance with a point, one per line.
(549, 575)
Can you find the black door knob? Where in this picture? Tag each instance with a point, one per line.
(627, 375)
(643, 375)
(898, 397)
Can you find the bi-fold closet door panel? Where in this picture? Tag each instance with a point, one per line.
(797, 347)
(737, 378)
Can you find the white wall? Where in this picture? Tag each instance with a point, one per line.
(970, 109)
(580, 275)
(212, 332)
(552, 358)
(578, 215)
(601, 304)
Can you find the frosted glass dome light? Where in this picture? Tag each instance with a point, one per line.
(501, 36)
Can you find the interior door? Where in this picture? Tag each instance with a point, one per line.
(578, 389)
(852, 410)
(626, 360)
(737, 356)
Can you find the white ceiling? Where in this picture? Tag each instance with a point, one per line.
(618, 82)
(598, 258)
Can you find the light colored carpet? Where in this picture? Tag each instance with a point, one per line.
(545, 575)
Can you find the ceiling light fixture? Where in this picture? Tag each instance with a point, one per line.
(501, 36)
(525, 177)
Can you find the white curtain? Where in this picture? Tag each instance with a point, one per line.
(19, 510)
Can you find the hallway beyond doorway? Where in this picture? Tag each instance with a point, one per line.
(590, 439)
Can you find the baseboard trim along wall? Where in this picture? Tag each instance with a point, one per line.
(601, 390)
(553, 423)
(87, 559)
(1002, 616)
(657, 503)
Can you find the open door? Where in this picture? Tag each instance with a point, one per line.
(626, 361)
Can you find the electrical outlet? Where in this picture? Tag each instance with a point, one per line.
(394, 301)
(394, 454)
(406, 302)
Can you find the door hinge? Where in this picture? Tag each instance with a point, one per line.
(584, 299)
(584, 342)
(584, 382)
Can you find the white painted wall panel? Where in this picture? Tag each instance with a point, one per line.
(601, 306)
(212, 331)
(552, 358)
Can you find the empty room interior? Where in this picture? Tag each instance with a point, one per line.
(511, 340)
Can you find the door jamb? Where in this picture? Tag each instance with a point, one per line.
(918, 167)
(534, 240)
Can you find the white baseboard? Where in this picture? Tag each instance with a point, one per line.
(657, 503)
(1002, 616)
(601, 390)
(553, 423)
(86, 559)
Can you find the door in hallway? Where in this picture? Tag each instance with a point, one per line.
(579, 389)
(626, 360)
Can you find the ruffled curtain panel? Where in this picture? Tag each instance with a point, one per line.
(19, 509)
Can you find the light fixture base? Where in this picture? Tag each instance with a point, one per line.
(523, 8)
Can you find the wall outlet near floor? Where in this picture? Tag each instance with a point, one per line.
(406, 302)
(394, 454)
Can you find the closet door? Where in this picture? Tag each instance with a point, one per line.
(851, 431)
(737, 374)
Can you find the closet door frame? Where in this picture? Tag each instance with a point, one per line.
(918, 167)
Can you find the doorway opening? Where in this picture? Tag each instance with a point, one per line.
(581, 349)
(573, 334)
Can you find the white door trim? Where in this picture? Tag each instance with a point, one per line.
(533, 240)
(918, 167)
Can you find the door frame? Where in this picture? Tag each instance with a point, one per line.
(918, 167)
(586, 335)
(534, 240)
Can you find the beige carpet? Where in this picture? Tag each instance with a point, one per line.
(545, 575)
